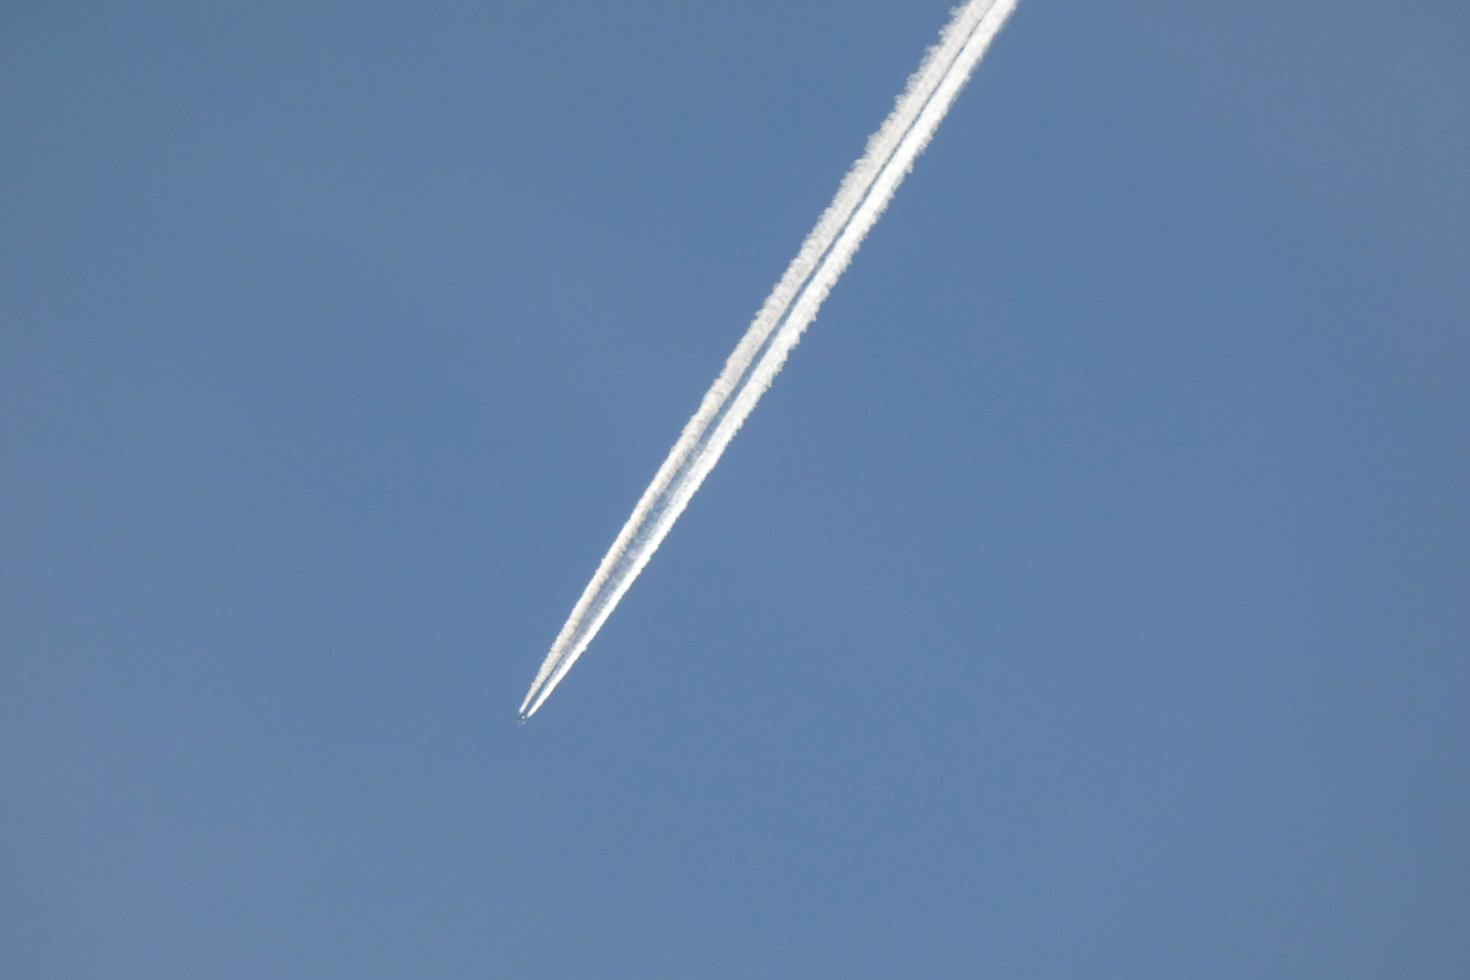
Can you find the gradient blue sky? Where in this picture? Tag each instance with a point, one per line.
(1088, 598)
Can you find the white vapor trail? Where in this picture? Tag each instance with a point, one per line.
(791, 307)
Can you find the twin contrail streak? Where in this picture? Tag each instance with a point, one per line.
(791, 307)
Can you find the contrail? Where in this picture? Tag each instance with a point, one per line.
(791, 307)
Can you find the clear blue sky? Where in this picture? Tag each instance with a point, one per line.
(1089, 597)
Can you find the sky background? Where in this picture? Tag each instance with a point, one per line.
(1089, 597)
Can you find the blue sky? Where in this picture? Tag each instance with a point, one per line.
(1086, 598)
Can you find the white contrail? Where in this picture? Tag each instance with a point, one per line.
(791, 307)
